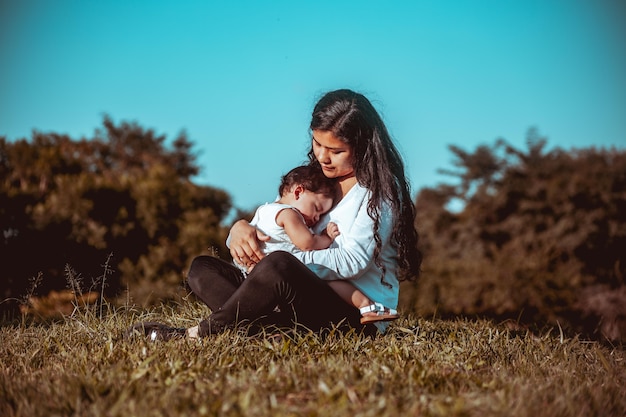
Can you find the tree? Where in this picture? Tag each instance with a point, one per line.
(124, 192)
(541, 234)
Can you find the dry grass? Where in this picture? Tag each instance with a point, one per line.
(78, 366)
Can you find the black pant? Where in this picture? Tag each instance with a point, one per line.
(279, 280)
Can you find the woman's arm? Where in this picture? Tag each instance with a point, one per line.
(244, 243)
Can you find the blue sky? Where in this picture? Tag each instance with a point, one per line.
(241, 77)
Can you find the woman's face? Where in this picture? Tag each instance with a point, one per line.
(334, 156)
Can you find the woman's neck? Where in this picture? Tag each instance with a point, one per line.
(346, 183)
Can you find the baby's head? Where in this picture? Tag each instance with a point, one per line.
(307, 189)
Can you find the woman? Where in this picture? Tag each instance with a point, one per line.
(376, 249)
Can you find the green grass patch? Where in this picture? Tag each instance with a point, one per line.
(427, 367)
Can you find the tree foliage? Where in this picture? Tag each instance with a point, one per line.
(541, 238)
(66, 202)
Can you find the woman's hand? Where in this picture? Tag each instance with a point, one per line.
(245, 243)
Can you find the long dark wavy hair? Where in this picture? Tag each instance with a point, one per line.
(378, 166)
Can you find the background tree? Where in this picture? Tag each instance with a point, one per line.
(540, 238)
(124, 192)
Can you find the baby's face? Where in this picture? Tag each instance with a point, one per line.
(312, 206)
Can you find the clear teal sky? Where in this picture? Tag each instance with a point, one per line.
(241, 77)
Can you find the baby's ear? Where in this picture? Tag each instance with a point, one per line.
(298, 189)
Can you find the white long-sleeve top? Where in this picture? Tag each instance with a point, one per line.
(351, 255)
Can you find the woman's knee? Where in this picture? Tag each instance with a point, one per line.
(279, 263)
(198, 271)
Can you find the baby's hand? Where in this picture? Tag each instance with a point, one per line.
(332, 230)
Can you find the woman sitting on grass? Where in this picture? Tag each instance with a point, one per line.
(377, 247)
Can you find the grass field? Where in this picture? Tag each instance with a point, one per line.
(421, 367)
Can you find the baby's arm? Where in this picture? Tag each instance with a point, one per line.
(300, 234)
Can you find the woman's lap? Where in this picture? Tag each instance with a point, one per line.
(278, 280)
